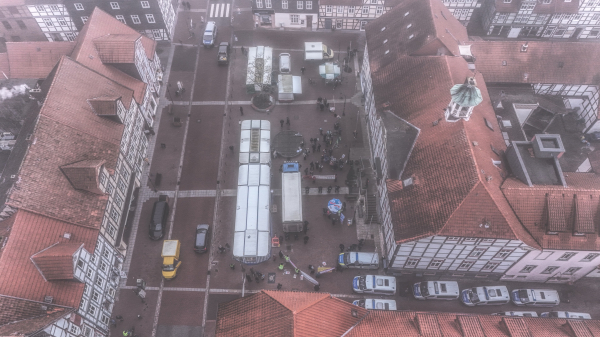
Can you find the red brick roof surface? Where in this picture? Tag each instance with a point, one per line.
(35, 59)
(116, 48)
(20, 317)
(84, 175)
(280, 313)
(30, 234)
(544, 61)
(56, 262)
(68, 131)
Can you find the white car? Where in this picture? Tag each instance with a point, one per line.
(516, 313)
(566, 314)
(375, 303)
(489, 295)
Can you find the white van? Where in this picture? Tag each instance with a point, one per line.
(566, 314)
(535, 297)
(374, 284)
(359, 260)
(494, 295)
(436, 290)
(210, 34)
(376, 303)
(516, 313)
(284, 63)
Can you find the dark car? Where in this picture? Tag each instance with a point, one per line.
(223, 55)
(201, 243)
(158, 221)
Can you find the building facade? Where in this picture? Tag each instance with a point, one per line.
(292, 14)
(352, 16)
(18, 24)
(462, 10)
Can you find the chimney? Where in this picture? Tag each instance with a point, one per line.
(524, 47)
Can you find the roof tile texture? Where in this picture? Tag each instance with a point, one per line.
(19, 316)
(56, 261)
(35, 59)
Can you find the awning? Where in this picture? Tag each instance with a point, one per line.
(329, 70)
(289, 84)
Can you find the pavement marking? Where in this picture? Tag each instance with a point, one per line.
(219, 10)
(212, 10)
(313, 102)
(233, 193)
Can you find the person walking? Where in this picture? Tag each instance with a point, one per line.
(280, 253)
(287, 258)
(320, 189)
(232, 266)
(241, 111)
(281, 122)
(314, 147)
(306, 171)
(296, 270)
(302, 70)
(307, 190)
(287, 121)
(243, 50)
(279, 285)
(305, 227)
(341, 247)
(319, 147)
(248, 278)
(305, 239)
(281, 265)
(316, 288)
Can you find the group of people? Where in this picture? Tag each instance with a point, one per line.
(353, 247)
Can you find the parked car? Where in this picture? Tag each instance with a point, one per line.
(374, 284)
(516, 313)
(436, 290)
(566, 314)
(376, 303)
(210, 34)
(158, 220)
(223, 54)
(535, 297)
(490, 295)
(201, 242)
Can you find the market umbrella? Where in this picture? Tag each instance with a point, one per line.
(334, 205)
(329, 71)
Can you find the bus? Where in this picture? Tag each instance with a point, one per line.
(291, 198)
(252, 234)
(255, 142)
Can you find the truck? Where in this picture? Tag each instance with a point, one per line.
(170, 255)
(291, 198)
(317, 51)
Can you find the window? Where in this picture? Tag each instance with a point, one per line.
(590, 257)
(70, 36)
(145, 4)
(40, 8)
(114, 5)
(93, 259)
(150, 18)
(105, 319)
(571, 270)
(84, 19)
(328, 9)
(566, 256)
(74, 329)
(122, 186)
(340, 9)
(452, 239)
(80, 264)
(122, 19)
(308, 4)
(528, 269)
(411, 262)
(136, 19)
(549, 270)
(365, 10)
(111, 292)
(477, 252)
(105, 253)
(466, 264)
(350, 9)
(78, 6)
(21, 24)
(502, 253)
(470, 240)
(507, 1)
(299, 4)
(259, 4)
(294, 18)
(379, 10)
(339, 24)
(95, 296)
(546, 2)
(92, 310)
(82, 304)
(284, 4)
(490, 266)
(6, 25)
(103, 266)
(61, 21)
(268, 4)
(111, 231)
(89, 273)
(99, 281)
(49, 23)
(114, 214)
(435, 263)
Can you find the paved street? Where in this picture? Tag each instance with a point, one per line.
(199, 173)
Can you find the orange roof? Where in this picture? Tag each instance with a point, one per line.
(116, 48)
(35, 59)
(283, 313)
(101, 24)
(56, 261)
(27, 317)
(30, 234)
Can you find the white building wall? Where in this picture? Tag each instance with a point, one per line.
(54, 21)
(285, 20)
(552, 266)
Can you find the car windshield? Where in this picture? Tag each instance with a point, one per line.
(347, 258)
(157, 227)
(362, 283)
(222, 49)
(361, 303)
(523, 295)
(207, 37)
(424, 289)
(473, 296)
(168, 267)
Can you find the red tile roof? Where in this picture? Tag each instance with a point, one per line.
(101, 25)
(280, 313)
(116, 48)
(30, 234)
(432, 27)
(379, 323)
(35, 59)
(24, 317)
(67, 132)
(56, 262)
(544, 61)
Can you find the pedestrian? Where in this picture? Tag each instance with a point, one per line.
(302, 70)
(126, 333)
(221, 249)
(280, 253)
(321, 106)
(314, 179)
(314, 147)
(281, 265)
(312, 165)
(231, 148)
(333, 221)
(296, 270)
(243, 50)
(257, 277)
(307, 190)
(281, 240)
(344, 206)
(317, 287)
(139, 316)
(189, 7)
(325, 101)
(305, 239)
(287, 258)
(337, 189)
(279, 285)
(321, 131)
(306, 170)
(319, 147)
(320, 99)
(227, 246)
(355, 133)
(241, 111)
(113, 322)
(305, 226)
(287, 121)
(320, 189)
(248, 278)
(341, 247)
(232, 266)
(281, 122)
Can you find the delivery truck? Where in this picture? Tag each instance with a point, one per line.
(317, 51)
(170, 255)
(291, 198)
